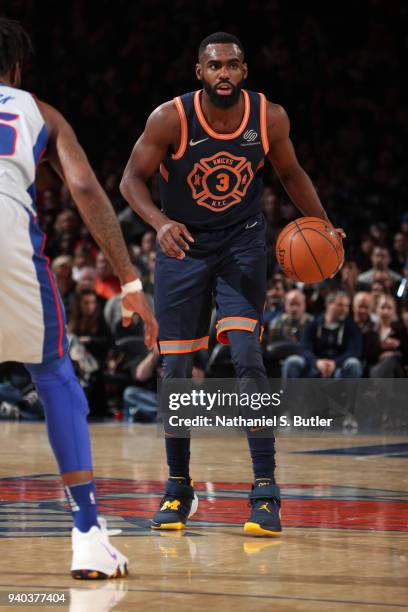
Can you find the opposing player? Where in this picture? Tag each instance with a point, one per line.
(32, 319)
(210, 145)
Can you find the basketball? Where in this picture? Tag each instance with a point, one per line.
(309, 250)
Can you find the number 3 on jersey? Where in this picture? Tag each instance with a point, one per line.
(223, 183)
(8, 135)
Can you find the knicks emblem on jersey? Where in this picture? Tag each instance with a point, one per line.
(220, 181)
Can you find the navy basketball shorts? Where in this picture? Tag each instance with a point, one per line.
(225, 268)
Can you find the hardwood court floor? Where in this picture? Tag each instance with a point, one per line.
(345, 517)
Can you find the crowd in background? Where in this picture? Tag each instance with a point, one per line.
(340, 81)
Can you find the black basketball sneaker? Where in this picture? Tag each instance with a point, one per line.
(178, 504)
(264, 519)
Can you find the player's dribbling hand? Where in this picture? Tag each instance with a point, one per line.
(172, 238)
(340, 232)
(137, 302)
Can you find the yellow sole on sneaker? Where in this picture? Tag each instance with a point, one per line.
(173, 526)
(256, 530)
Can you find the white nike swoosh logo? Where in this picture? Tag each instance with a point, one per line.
(249, 144)
(193, 143)
(250, 226)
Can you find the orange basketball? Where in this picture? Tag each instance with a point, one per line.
(309, 250)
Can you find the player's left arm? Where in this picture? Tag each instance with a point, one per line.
(283, 158)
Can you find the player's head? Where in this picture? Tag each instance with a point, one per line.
(15, 48)
(221, 68)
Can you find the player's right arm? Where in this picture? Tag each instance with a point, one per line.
(162, 132)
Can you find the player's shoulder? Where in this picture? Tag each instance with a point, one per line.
(163, 117)
(163, 124)
(22, 103)
(52, 117)
(165, 112)
(8, 93)
(275, 113)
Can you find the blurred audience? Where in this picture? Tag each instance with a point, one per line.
(106, 284)
(380, 261)
(331, 344)
(90, 340)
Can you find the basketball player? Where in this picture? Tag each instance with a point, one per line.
(32, 319)
(210, 146)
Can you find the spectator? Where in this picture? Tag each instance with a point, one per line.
(284, 332)
(384, 278)
(400, 248)
(379, 232)
(378, 289)
(82, 258)
(65, 228)
(147, 246)
(363, 258)
(332, 344)
(87, 279)
(274, 299)
(62, 269)
(141, 400)
(349, 274)
(393, 338)
(362, 314)
(404, 314)
(66, 222)
(107, 284)
(148, 281)
(288, 326)
(380, 260)
(88, 324)
(90, 341)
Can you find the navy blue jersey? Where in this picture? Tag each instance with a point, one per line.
(212, 181)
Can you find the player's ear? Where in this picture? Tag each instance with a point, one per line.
(198, 71)
(245, 70)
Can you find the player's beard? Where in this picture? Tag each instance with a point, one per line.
(223, 101)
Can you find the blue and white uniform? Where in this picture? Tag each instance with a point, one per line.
(32, 318)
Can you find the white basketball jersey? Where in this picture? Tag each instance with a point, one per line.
(23, 139)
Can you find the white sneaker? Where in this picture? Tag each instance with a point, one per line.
(94, 557)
